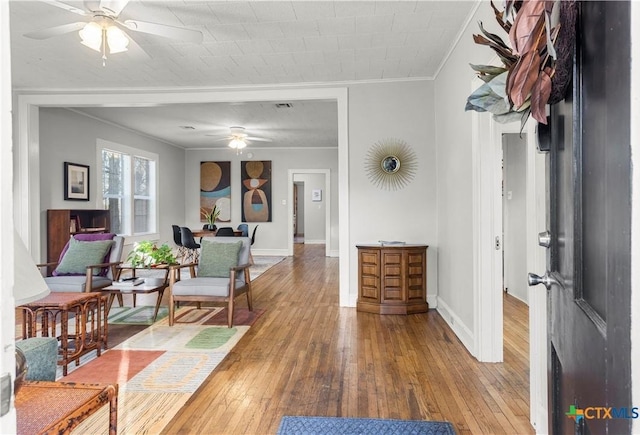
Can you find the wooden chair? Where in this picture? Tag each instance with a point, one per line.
(221, 275)
(92, 276)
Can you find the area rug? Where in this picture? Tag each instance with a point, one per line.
(361, 426)
(158, 369)
(262, 263)
(141, 315)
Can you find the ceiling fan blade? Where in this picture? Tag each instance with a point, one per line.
(55, 31)
(219, 139)
(167, 31)
(66, 7)
(135, 51)
(113, 6)
(259, 139)
(92, 5)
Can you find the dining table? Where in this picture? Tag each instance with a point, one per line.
(212, 233)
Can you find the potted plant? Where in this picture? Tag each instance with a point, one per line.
(148, 254)
(210, 217)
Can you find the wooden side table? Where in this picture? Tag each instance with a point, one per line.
(392, 279)
(58, 407)
(90, 330)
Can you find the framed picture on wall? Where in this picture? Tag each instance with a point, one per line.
(76, 182)
(316, 195)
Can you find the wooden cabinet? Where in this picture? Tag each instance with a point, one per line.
(392, 279)
(62, 224)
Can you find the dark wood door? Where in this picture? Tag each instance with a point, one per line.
(589, 257)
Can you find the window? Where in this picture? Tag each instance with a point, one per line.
(128, 179)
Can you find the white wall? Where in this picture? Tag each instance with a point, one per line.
(7, 319)
(514, 202)
(402, 110)
(271, 237)
(313, 216)
(66, 136)
(454, 170)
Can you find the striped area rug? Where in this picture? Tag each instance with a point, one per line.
(158, 369)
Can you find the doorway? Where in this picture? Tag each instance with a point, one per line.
(314, 199)
(514, 215)
(298, 212)
(488, 244)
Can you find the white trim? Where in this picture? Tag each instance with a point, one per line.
(536, 204)
(315, 242)
(229, 88)
(270, 252)
(7, 305)
(101, 145)
(28, 146)
(455, 323)
(486, 154)
(327, 210)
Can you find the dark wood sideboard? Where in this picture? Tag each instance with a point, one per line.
(392, 279)
(63, 223)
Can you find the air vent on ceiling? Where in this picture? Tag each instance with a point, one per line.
(283, 105)
(187, 127)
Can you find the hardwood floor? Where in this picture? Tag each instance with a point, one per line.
(308, 356)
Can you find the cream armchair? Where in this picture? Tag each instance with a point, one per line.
(220, 275)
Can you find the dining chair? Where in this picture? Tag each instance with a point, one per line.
(253, 240)
(225, 232)
(245, 229)
(177, 239)
(190, 245)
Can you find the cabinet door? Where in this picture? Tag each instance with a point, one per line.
(393, 263)
(416, 275)
(369, 275)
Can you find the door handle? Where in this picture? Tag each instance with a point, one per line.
(547, 280)
(544, 239)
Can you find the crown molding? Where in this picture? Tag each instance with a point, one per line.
(234, 88)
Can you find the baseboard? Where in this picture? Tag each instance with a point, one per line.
(454, 322)
(314, 242)
(432, 300)
(271, 252)
(334, 253)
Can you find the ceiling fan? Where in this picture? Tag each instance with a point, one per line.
(105, 30)
(238, 138)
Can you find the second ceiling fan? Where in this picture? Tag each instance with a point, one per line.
(105, 31)
(238, 138)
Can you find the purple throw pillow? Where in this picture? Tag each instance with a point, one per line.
(89, 237)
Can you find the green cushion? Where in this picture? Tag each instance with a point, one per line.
(42, 357)
(217, 258)
(82, 254)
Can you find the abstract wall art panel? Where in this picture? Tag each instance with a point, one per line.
(256, 191)
(215, 189)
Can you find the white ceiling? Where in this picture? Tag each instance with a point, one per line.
(246, 43)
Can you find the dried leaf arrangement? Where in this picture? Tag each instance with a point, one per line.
(525, 83)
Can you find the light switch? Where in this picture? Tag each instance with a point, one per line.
(284, 202)
(509, 195)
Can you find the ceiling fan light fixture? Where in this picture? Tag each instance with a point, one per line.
(91, 35)
(237, 143)
(117, 40)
